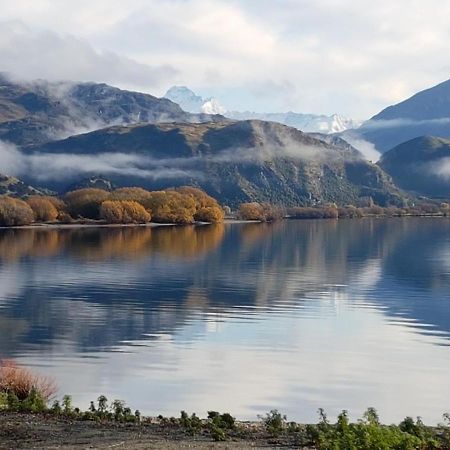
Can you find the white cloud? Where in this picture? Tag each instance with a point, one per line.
(27, 53)
(348, 56)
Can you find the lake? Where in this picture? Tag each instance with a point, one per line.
(243, 318)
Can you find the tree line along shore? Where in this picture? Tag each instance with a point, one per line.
(29, 398)
(183, 205)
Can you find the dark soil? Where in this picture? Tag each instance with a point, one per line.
(28, 431)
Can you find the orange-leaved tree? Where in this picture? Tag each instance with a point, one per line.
(14, 212)
(86, 202)
(44, 210)
(124, 211)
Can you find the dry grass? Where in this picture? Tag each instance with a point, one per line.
(21, 381)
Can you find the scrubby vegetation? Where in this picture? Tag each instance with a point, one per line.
(23, 387)
(259, 211)
(352, 212)
(185, 205)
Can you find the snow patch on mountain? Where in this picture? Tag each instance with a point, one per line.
(191, 102)
(309, 123)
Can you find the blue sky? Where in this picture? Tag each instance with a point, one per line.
(348, 56)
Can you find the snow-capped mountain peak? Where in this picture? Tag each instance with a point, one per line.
(310, 123)
(191, 102)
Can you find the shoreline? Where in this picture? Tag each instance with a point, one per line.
(43, 430)
(57, 226)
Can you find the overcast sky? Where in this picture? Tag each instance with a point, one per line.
(352, 57)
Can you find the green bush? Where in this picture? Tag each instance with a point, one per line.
(274, 422)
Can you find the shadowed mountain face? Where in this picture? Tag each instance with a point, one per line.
(41, 111)
(233, 161)
(421, 165)
(427, 113)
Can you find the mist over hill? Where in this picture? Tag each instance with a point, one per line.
(421, 165)
(41, 111)
(233, 161)
(426, 113)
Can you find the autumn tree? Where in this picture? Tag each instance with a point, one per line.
(135, 194)
(171, 207)
(251, 211)
(211, 214)
(124, 211)
(207, 207)
(15, 212)
(86, 202)
(43, 209)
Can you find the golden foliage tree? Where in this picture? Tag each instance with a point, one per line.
(207, 207)
(86, 202)
(212, 214)
(124, 211)
(251, 211)
(15, 212)
(43, 209)
(135, 194)
(134, 212)
(171, 207)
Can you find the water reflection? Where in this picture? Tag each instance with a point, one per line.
(324, 312)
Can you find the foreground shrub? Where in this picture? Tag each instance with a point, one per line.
(43, 209)
(274, 422)
(124, 211)
(22, 383)
(86, 202)
(14, 212)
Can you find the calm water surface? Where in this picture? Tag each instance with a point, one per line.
(240, 317)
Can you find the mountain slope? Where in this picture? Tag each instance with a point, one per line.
(15, 188)
(426, 113)
(421, 165)
(235, 162)
(41, 111)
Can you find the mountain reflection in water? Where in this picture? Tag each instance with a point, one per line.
(244, 317)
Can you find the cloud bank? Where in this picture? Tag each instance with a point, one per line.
(353, 57)
(29, 54)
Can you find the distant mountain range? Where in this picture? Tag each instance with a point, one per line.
(426, 113)
(421, 165)
(71, 134)
(312, 123)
